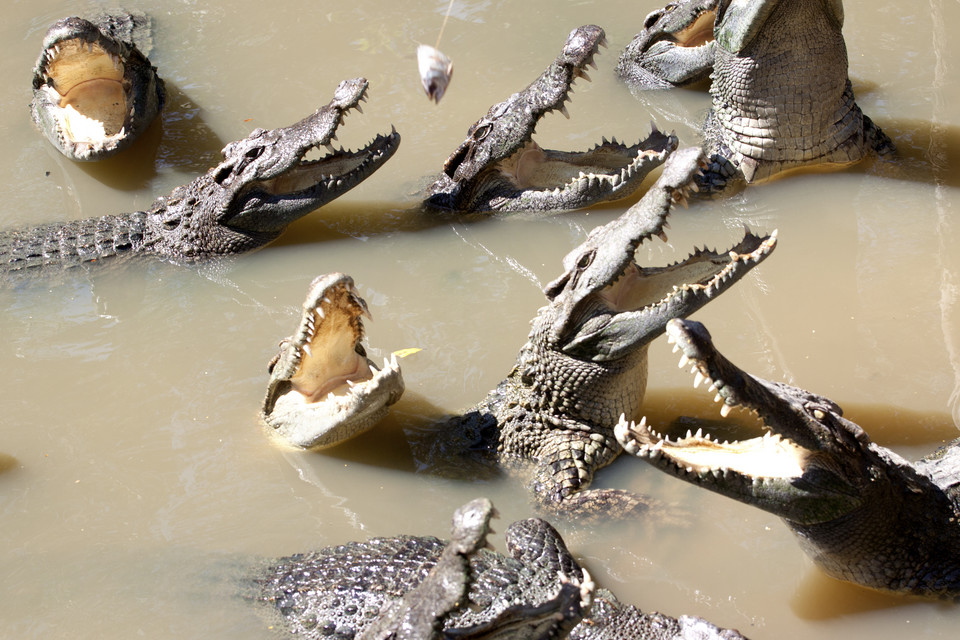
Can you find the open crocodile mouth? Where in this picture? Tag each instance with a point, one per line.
(605, 171)
(699, 456)
(695, 34)
(500, 166)
(337, 171)
(82, 86)
(322, 383)
(664, 293)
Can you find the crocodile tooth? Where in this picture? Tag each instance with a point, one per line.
(698, 379)
(683, 361)
(725, 410)
(717, 398)
(583, 74)
(307, 350)
(563, 110)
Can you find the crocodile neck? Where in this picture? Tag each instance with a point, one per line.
(785, 100)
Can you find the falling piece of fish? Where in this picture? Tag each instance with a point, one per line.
(435, 71)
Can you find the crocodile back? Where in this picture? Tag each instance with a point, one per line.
(72, 243)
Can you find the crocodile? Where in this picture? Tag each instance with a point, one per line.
(262, 185)
(781, 96)
(323, 389)
(94, 89)
(863, 513)
(421, 587)
(500, 168)
(585, 361)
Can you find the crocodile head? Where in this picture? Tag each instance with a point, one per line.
(500, 168)
(606, 308)
(265, 182)
(323, 389)
(807, 467)
(861, 512)
(674, 49)
(93, 93)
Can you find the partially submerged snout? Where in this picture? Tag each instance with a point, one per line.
(95, 92)
(323, 389)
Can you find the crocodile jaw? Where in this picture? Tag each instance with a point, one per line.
(323, 389)
(93, 95)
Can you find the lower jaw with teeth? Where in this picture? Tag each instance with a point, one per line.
(767, 456)
(344, 412)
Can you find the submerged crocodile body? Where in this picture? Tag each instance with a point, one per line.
(323, 389)
(421, 587)
(94, 90)
(781, 96)
(500, 168)
(862, 512)
(263, 184)
(585, 363)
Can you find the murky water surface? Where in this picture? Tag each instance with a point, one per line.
(134, 476)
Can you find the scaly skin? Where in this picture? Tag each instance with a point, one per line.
(94, 90)
(323, 389)
(862, 512)
(500, 168)
(585, 362)
(420, 612)
(422, 588)
(675, 48)
(263, 184)
(781, 97)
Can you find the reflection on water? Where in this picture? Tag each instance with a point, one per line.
(133, 458)
(820, 597)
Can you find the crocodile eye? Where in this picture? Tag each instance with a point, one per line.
(652, 18)
(585, 261)
(481, 131)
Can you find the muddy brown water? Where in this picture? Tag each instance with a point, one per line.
(134, 477)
